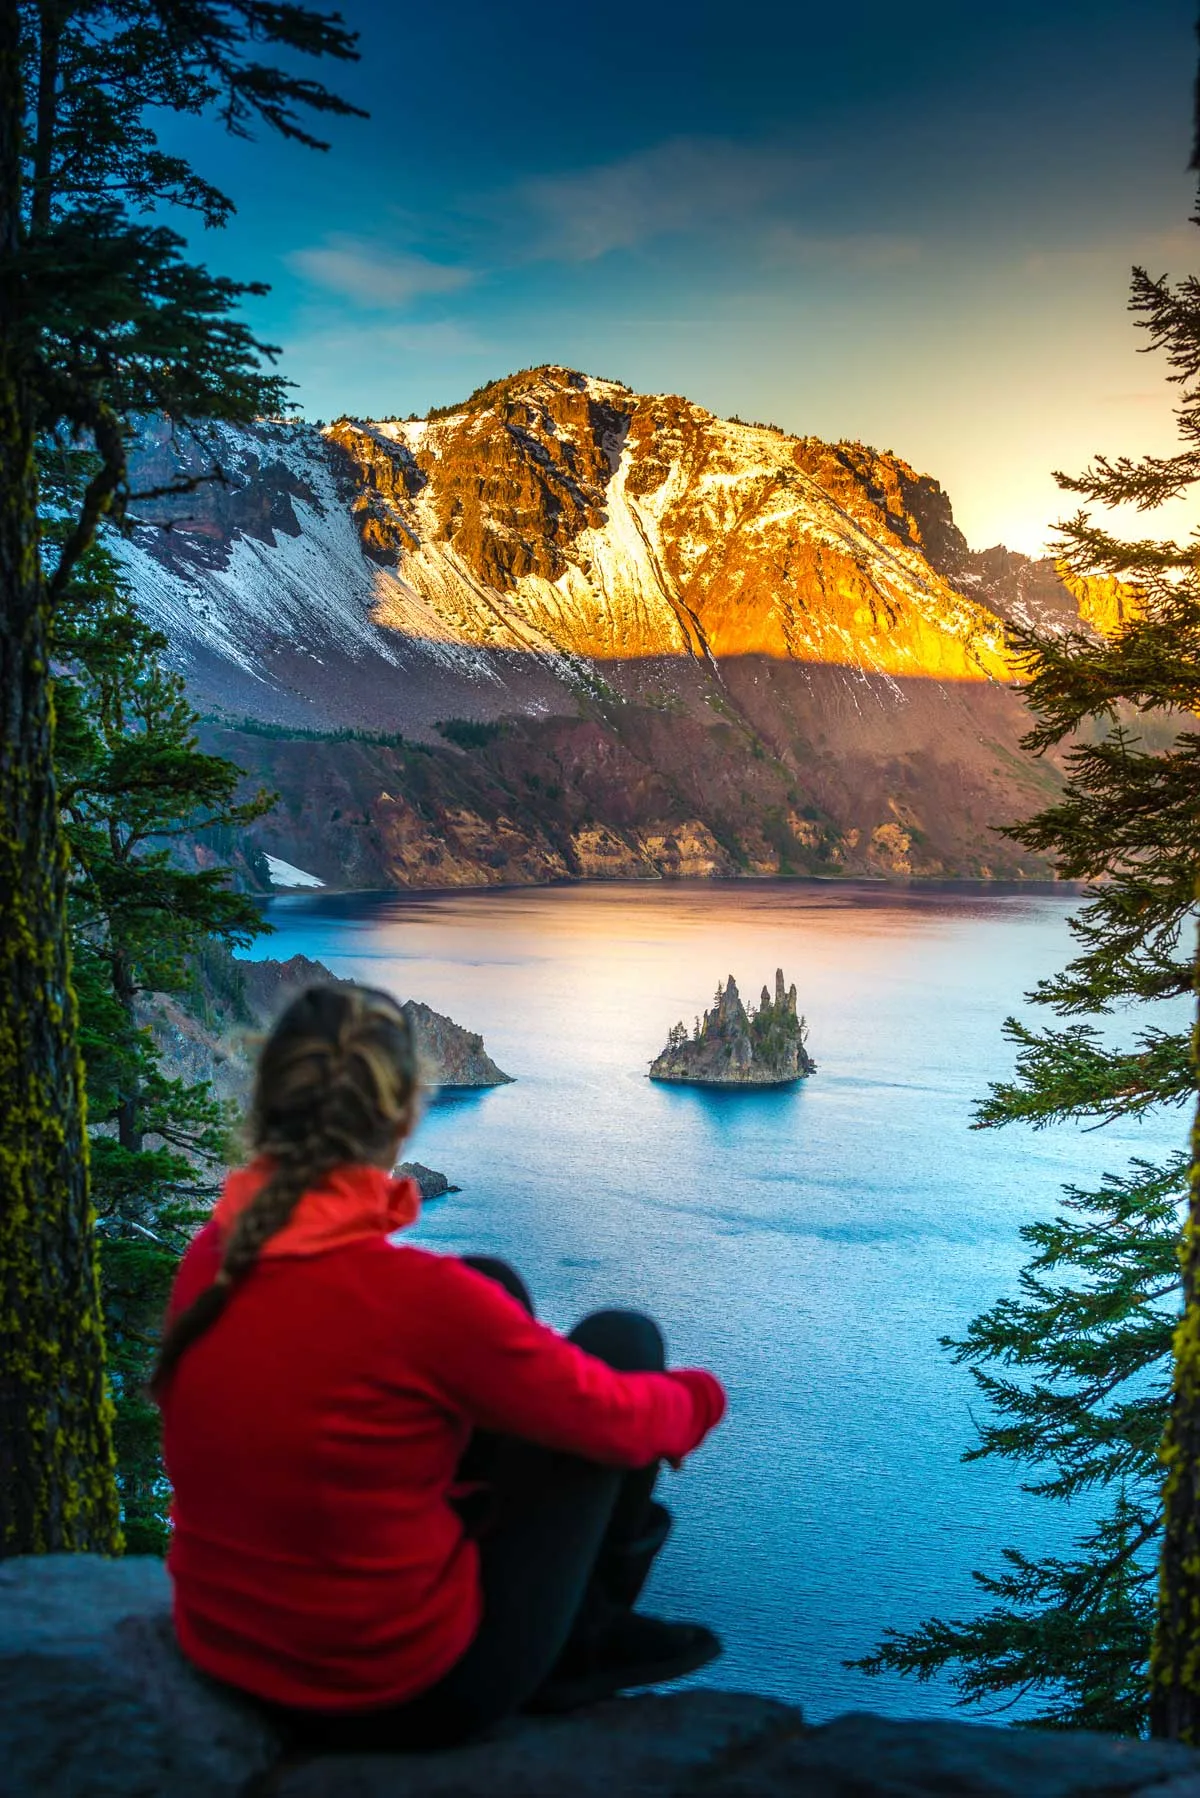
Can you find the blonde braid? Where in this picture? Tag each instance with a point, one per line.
(337, 1082)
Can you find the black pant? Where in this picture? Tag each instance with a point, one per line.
(560, 1539)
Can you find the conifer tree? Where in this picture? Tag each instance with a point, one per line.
(1077, 1366)
(132, 783)
(101, 319)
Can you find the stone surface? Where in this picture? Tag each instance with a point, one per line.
(95, 1699)
(736, 1047)
(648, 1747)
(97, 1702)
(864, 1756)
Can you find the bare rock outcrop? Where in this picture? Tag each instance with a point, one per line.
(452, 1057)
(97, 1702)
(455, 1058)
(432, 1184)
(733, 1046)
(216, 1040)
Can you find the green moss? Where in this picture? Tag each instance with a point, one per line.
(58, 1490)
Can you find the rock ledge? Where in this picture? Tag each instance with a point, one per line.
(97, 1702)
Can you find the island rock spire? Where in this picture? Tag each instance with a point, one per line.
(737, 1047)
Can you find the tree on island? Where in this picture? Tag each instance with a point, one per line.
(102, 320)
(1077, 1367)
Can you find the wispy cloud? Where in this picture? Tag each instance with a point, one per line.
(376, 342)
(1158, 250)
(372, 275)
(683, 185)
(787, 246)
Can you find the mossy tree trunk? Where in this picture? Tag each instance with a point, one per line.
(1175, 1662)
(57, 1488)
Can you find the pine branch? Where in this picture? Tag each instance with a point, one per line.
(1146, 482)
(1072, 1073)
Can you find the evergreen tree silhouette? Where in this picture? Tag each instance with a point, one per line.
(1077, 1367)
(102, 320)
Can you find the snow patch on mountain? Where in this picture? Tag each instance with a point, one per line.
(316, 591)
(286, 874)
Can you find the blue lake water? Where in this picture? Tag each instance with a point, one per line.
(810, 1245)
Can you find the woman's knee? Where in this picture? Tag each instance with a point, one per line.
(494, 1269)
(627, 1340)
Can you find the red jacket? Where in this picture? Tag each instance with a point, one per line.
(312, 1437)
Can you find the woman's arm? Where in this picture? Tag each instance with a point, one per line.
(505, 1371)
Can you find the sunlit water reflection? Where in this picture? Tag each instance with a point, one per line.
(809, 1245)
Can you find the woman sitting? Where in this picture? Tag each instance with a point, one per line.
(403, 1508)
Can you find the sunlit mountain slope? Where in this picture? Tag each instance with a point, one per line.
(781, 646)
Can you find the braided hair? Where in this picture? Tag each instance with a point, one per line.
(337, 1081)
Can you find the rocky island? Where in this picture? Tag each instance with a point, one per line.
(432, 1184)
(739, 1047)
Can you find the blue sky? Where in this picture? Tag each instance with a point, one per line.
(910, 225)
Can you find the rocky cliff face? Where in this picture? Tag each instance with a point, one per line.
(682, 644)
(214, 1041)
(455, 1059)
(600, 523)
(736, 1047)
